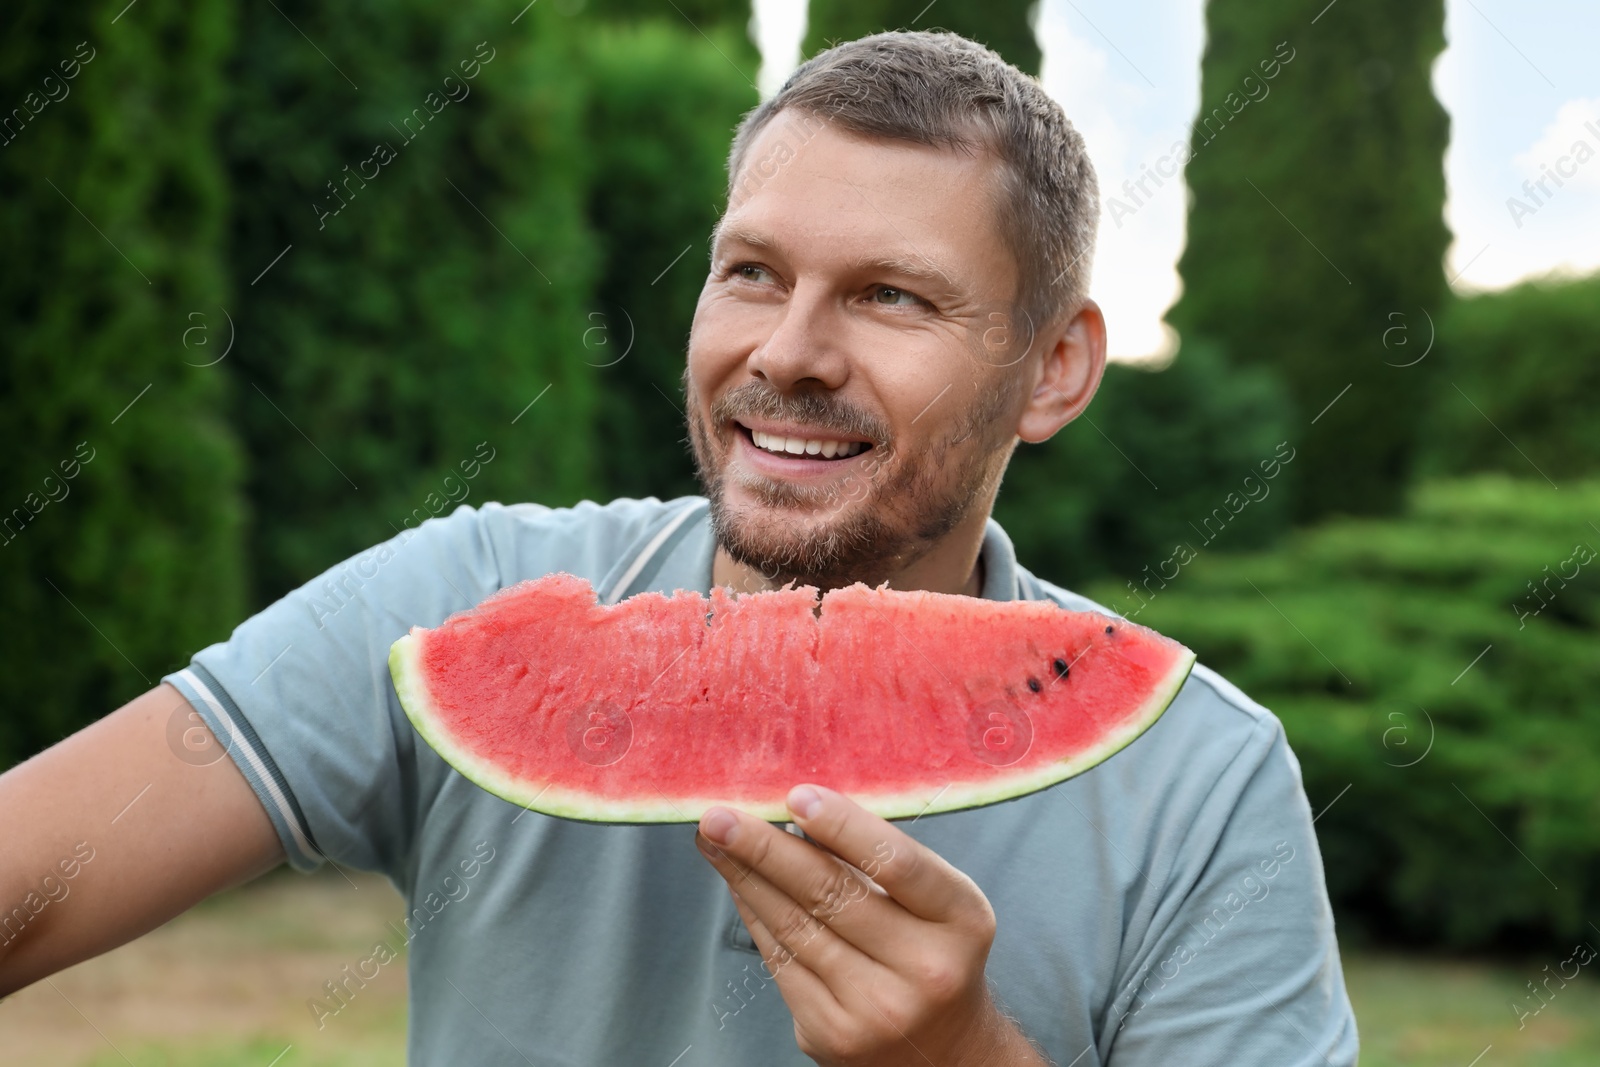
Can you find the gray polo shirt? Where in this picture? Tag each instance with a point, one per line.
(1167, 907)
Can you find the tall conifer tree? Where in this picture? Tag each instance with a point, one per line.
(1316, 231)
(1004, 25)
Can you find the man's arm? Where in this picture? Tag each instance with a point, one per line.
(159, 809)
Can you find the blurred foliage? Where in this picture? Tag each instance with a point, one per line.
(1442, 665)
(731, 15)
(122, 547)
(1004, 25)
(1153, 457)
(657, 180)
(433, 291)
(1522, 366)
(1317, 185)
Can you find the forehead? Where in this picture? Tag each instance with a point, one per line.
(830, 195)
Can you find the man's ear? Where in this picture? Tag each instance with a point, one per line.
(1066, 376)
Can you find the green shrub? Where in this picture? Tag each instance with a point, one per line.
(1155, 454)
(120, 488)
(1407, 662)
(1518, 370)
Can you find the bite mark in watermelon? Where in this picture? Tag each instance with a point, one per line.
(657, 708)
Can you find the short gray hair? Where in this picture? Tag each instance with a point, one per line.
(944, 90)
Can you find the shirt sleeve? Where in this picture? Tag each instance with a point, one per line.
(1242, 967)
(300, 696)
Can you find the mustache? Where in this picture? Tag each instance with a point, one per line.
(819, 409)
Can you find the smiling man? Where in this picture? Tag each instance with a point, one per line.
(897, 297)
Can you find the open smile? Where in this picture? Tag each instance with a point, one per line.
(796, 450)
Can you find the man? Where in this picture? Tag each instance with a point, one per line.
(896, 296)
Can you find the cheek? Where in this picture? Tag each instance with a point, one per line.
(720, 337)
(923, 383)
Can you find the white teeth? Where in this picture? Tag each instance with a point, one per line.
(801, 446)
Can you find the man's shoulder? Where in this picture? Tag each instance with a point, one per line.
(527, 540)
(622, 518)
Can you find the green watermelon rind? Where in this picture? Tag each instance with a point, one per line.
(582, 807)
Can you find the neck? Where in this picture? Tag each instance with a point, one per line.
(952, 565)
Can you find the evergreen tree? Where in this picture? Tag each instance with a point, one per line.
(705, 15)
(1004, 25)
(414, 266)
(1316, 226)
(120, 500)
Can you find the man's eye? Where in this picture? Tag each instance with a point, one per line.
(750, 272)
(886, 294)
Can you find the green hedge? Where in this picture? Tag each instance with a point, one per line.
(1518, 370)
(663, 104)
(1359, 633)
(122, 544)
(446, 288)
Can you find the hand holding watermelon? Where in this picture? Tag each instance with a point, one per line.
(878, 946)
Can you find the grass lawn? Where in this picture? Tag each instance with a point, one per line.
(226, 985)
(1416, 1012)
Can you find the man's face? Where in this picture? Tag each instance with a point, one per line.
(854, 364)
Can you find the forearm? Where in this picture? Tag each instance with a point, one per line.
(112, 832)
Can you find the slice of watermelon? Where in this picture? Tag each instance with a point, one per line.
(655, 709)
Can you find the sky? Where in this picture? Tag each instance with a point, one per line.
(1518, 79)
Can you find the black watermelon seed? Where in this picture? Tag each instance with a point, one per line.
(1108, 629)
(1061, 667)
(1033, 683)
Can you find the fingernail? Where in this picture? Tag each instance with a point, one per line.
(719, 826)
(805, 801)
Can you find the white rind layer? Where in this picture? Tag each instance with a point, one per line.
(550, 799)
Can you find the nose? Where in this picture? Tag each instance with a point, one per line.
(806, 346)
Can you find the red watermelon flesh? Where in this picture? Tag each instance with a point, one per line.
(659, 707)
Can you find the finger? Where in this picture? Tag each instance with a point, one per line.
(803, 926)
(910, 872)
(818, 883)
(801, 987)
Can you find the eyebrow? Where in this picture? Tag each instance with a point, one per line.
(921, 270)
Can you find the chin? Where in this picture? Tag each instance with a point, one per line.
(826, 552)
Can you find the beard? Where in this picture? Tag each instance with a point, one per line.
(888, 512)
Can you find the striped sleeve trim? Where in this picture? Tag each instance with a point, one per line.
(213, 704)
